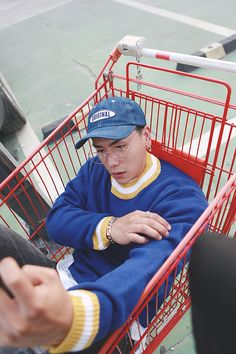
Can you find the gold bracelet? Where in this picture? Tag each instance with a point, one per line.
(108, 230)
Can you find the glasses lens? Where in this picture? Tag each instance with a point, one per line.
(94, 158)
(118, 153)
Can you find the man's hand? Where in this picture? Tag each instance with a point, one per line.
(41, 312)
(139, 227)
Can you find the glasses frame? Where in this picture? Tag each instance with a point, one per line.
(112, 153)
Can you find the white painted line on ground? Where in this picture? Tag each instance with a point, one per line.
(13, 12)
(207, 26)
(29, 141)
(205, 140)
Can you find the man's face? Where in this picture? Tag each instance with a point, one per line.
(124, 159)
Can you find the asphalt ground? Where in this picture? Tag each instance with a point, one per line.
(51, 52)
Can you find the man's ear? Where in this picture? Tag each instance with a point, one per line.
(147, 138)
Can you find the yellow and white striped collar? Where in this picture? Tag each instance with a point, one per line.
(132, 189)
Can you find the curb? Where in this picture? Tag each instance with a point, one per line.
(48, 129)
(216, 50)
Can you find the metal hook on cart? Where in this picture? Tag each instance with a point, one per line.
(109, 77)
(138, 75)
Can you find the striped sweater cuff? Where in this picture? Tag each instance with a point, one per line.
(100, 242)
(85, 323)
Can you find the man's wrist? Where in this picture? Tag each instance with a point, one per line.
(109, 230)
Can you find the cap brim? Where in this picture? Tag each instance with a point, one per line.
(114, 133)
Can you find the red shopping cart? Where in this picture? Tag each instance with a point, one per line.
(189, 117)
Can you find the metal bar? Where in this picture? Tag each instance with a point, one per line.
(133, 46)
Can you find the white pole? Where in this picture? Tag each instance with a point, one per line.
(133, 46)
(190, 60)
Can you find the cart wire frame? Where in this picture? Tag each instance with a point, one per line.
(197, 141)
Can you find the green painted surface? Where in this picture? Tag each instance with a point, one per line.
(180, 340)
(51, 60)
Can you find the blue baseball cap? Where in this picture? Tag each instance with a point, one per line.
(113, 118)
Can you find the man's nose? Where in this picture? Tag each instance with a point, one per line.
(111, 161)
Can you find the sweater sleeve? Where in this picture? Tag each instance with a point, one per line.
(85, 323)
(119, 290)
(71, 224)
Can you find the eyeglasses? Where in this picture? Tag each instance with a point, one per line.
(118, 153)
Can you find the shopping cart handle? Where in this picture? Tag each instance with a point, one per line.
(133, 46)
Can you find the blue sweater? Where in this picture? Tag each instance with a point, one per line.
(116, 275)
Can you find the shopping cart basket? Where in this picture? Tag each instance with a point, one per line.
(190, 120)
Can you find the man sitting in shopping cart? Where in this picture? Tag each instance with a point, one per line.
(123, 214)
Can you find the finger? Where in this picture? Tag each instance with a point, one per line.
(7, 309)
(147, 231)
(157, 228)
(159, 219)
(136, 238)
(17, 282)
(5, 288)
(39, 275)
(155, 225)
(143, 219)
(4, 299)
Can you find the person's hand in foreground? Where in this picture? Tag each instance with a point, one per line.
(139, 227)
(41, 311)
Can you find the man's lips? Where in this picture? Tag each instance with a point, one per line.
(118, 174)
